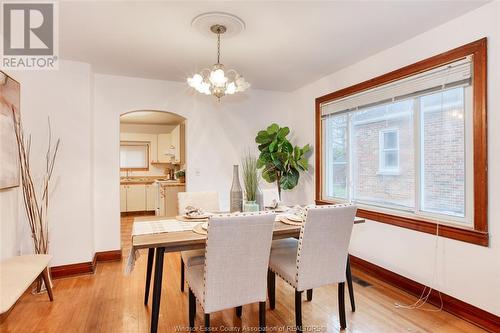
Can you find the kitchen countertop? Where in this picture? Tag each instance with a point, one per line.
(148, 180)
(171, 183)
(136, 182)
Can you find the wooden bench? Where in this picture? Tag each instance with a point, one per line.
(17, 274)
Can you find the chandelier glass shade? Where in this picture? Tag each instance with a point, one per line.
(217, 80)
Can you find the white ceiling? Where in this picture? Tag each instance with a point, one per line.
(151, 118)
(285, 45)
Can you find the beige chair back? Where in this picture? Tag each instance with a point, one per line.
(207, 201)
(237, 258)
(323, 245)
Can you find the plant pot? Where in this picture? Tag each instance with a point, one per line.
(182, 179)
(250, 206)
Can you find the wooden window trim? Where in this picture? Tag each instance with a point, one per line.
(479, 234)
(130, 143)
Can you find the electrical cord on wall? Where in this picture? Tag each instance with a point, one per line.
(426, 292)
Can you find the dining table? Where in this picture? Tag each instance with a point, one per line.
(160, 243)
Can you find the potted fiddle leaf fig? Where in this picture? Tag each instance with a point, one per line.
(280, 161)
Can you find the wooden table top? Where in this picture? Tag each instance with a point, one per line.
(189, 240)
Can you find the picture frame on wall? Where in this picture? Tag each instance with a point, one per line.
(10, 100)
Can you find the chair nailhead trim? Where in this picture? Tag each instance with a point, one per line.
(206, 241)
(302, 228)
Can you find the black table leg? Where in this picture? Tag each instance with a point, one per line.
(157, 289)
(151, 254)
(349, 284)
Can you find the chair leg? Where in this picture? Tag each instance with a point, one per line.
(192, 310)
(207, 322)
(342, 305)
(149, 268)
(46, 281)
(309, 295)
(349, 284)
(239, 310)
(298, 310)
(262, 316)
(182, 275)
(271, 288)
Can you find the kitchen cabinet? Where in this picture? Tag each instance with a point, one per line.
(171, 200)
(136, 198)
(176, 143)
(123, 198)
(169, 205)
(170, 146)
(164, 148)
(151, 197)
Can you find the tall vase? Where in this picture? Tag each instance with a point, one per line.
(259, 198)
(236, 196)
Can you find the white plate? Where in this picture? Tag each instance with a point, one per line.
(195, 217)
(281, 209)
(204, 226)
(293, 217)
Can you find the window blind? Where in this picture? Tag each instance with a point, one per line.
(453, 74)
(134, 155)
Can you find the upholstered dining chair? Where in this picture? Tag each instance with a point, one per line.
(236, 261)
(317, 258)
(206, 201)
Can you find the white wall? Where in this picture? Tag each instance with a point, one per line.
(65, 97)
(465, 271)
(84, 109)
(9, 216)
(216, 136)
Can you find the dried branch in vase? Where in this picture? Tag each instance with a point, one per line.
(36, 202)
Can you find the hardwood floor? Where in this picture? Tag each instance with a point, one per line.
(109, 301)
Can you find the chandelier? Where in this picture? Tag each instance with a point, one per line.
(216, 80)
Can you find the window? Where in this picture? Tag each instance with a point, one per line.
(134, 155)
(409, 147)
(383, 135)
(388, 151)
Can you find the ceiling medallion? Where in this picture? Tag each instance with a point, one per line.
(216, 80)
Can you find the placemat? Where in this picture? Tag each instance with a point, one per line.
(160, 226)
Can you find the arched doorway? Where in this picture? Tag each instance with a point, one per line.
(152, 158)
